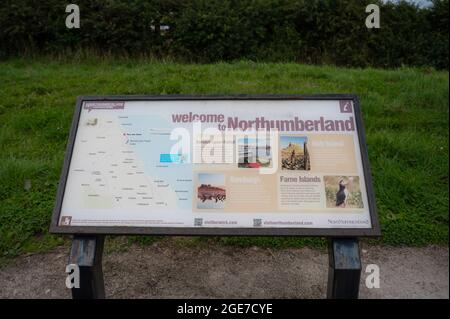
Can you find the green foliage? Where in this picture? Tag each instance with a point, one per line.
(308, 31)
(405, 113)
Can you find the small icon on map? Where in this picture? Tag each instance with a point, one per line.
(92, 122)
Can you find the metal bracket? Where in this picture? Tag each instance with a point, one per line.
(344, 272)
(86, 252)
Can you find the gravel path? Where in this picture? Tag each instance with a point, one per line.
(165, 270)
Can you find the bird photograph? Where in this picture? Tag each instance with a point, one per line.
(343, 192)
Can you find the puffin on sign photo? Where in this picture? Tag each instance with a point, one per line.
(343, 192)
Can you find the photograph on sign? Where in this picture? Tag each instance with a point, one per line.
(216, 164)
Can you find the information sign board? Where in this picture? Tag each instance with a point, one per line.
(217, 165)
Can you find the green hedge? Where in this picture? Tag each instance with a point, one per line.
(310, 31)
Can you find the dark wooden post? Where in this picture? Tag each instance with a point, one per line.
(344, 272)
(86, 252)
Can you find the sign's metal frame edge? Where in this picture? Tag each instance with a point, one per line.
(210, 231)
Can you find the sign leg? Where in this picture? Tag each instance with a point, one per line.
(344, 272)
(86, 253)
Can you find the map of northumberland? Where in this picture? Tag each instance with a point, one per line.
(118, 164)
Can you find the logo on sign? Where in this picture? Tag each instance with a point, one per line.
(346, 106)
(66, 220)
(198, 221)
(257, 222)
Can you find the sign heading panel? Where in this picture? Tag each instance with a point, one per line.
(246, 165)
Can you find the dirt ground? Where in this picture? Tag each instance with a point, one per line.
(164, 270)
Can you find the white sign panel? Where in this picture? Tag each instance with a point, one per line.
(211, 163)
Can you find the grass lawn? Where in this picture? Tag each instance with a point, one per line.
(405, 113)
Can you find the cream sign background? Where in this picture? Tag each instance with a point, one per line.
(123, 170)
